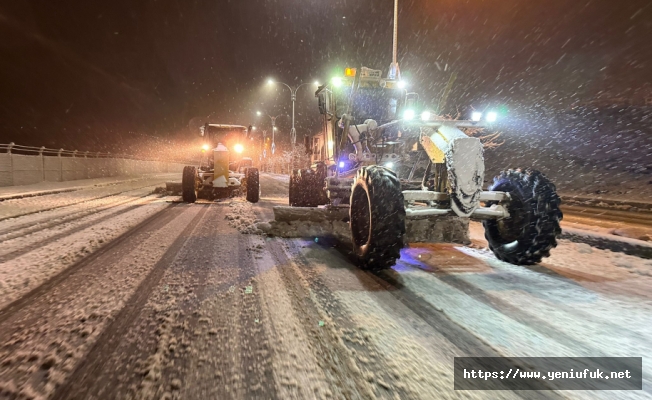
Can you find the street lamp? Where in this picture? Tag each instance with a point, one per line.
(293, 96)
(273, 119)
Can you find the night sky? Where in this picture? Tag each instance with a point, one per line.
(90, 74)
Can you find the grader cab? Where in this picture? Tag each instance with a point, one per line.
(383, 160)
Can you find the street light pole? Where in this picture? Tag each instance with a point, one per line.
(273, 119)
(293, 97)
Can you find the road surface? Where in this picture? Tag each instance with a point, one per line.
(139, 296)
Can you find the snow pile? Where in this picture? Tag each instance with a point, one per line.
(241, 217)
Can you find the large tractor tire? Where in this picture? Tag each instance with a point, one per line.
(294, 188)
(534, 215)
(253, 185)
(377, 218)
(307, 188)
(189, 184)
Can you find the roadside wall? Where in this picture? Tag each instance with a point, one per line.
(18, 169)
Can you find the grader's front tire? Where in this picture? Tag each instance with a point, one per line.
(253, 185)
(533, 225)
(377, 218)
(189, 184)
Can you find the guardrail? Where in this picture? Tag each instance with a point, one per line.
(24, 165)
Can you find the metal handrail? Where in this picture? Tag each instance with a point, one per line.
(20, 149)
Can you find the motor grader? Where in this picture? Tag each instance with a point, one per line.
(377, 158)
(220, 174)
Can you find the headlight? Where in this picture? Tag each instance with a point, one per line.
(492, 116)
(341, 164)
(408, 114)
(425, 116)
(337, 82)
(205, 147)
(476, 116)
(238, 148)
(389, 165)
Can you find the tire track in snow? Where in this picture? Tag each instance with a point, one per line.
(87, 200)
(339, 367)
(43, 242)
(338, 313)
(18, 231)
(151, 223)
(58, 327)
(90, 368)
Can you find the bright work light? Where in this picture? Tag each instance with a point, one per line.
(408, 114)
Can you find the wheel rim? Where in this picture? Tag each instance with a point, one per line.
(361, 217)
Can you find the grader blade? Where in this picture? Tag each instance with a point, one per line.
(173, 187)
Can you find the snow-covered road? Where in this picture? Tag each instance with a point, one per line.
(134, 295)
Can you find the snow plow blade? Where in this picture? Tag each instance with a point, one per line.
(174, 187)
(315, 214)
(304, 222)
(307, 222)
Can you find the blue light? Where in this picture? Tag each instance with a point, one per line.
(341, 164)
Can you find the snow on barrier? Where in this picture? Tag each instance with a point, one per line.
(24, 165)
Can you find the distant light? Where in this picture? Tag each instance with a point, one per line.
(476, 116)
(253, 128)
(341, 164)
(401, 84)
(275, 128)
(270, 81)
(389, 165)
(205, 147)
(425, 116)
(259, 113)
(337, 82)
(408, 114)
(492, 116)
(316, 83)
(238, 148)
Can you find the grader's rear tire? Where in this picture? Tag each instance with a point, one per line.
(189, 184)
(253, 185)
(377, 218)
(533, 225)
(307, 188)
(294, 188)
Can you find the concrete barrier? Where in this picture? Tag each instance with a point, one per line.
(20, 169)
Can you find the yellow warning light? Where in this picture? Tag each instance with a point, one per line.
(205, 147)
(349, 72)
(238, 148)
